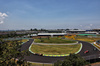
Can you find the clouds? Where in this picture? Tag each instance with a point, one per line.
(49, 14)
(2, 17)
(87, 26)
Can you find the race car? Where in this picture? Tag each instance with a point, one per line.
(87, 51)
(94, 49)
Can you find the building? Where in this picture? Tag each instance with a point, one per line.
(52, 34)
(86, 34)
(97, 30)
(92, 32)
(75, 31)
(55, 31)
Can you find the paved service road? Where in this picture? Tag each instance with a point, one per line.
(43, 59)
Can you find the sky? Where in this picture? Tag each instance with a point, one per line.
(49, 14)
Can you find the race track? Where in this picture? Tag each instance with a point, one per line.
(42, 59)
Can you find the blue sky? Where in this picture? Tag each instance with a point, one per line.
(50, 14)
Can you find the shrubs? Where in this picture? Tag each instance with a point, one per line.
(72, 60)
(54, 40)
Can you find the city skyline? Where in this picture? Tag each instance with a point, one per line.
(49, 14)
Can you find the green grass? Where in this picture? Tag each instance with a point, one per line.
(87, 39)
(24, 40)
(54, 40)
(55, 49)
(41, 64)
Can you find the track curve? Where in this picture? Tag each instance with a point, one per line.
(43, 59)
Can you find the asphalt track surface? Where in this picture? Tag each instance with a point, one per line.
(43, 59)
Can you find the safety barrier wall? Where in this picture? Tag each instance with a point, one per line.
(55, 44)
(97, 46)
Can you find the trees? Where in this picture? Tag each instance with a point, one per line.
(72, 60)
(9, 53)
(35, 29)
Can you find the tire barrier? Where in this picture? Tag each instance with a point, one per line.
(56, 55)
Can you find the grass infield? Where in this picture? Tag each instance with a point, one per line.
(55, 49)
(41, 64)
(54, 40)
(87, 39)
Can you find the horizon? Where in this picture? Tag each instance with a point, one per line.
(49, 14)
(45, 29)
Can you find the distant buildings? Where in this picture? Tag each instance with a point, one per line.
(75, 31)
(93, 31)
(51, 34)
(51, 31)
